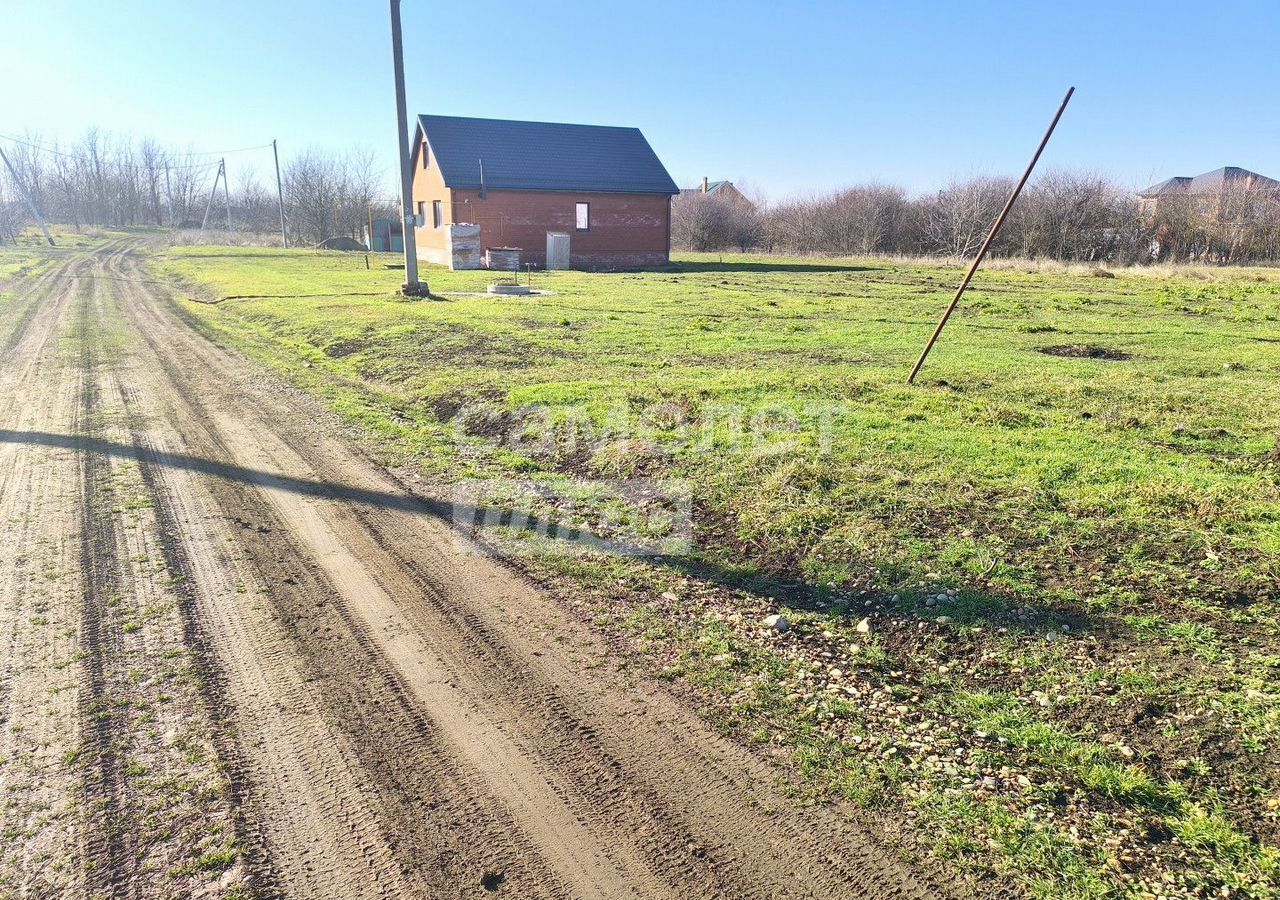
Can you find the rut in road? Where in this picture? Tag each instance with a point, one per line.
(111, 785)
(403, 720)
(40, 603)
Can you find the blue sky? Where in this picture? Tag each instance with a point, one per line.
(787, 97)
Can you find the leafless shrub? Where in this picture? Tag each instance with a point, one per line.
(112, 181)
(959, 216)
(860, 220)
(713, 222)
(13, 218)
(1067, 216)
(1070, 216)
(216, 237)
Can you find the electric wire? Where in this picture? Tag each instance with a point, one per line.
(202, 166)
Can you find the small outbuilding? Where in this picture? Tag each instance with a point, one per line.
(497, 183)
(386, 236)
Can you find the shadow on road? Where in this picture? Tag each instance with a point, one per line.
(482, 530)
(468, 520)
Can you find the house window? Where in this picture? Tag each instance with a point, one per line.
(422, 213)
(583, 211)
(426, 156)
(437, 214)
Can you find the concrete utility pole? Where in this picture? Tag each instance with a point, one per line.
(412, 287)
(284, 235)
(35, 214)
(213, 192)
(168, 193)
(226, 193)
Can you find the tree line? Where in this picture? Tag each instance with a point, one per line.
(118, 182)
(109, 181)
(1070, 216)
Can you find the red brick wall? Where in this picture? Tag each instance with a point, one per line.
(627, 230)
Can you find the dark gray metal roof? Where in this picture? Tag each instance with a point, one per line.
(1209, 182)
(1168, 186)
(1212, 181)
(543, 156)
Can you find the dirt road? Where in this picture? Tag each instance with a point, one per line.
(240, 658)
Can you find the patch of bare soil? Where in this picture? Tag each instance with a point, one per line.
(1084, 351)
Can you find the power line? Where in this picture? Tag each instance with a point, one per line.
(218, 153)
(203, 166)
(221, 153)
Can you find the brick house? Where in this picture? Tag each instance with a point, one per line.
(724, 189)
(1229, 195)
(490, 183)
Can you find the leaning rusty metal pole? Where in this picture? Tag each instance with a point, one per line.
(986, 245)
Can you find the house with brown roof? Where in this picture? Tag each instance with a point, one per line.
(725, 190)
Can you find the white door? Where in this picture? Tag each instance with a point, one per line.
(557, 250)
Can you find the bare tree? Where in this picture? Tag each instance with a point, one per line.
(796, 226)
(329, 194)
(862, 220)
(715, 221)
(698, 221)
(109, 180)
(960, 215)
(188, 181)
(1070, 216)
(13, 213)
(153, 161)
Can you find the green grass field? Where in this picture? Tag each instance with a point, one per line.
(1068, 562)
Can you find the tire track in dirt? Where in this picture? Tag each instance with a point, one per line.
(384, 749)
(109, 850)
(347, 684)
(593, 865)
(26, 347)
(39, 604)
(618, 804)
(259, 877)
(110, 788)
(34, 289)
(695, 831)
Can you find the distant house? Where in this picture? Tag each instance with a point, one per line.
(723, 189)
(597, 196)
(1223, 195)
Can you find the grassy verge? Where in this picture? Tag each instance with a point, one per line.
(1033, 600)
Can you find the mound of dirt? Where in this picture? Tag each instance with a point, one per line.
(346, 244)
(1084, 351)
